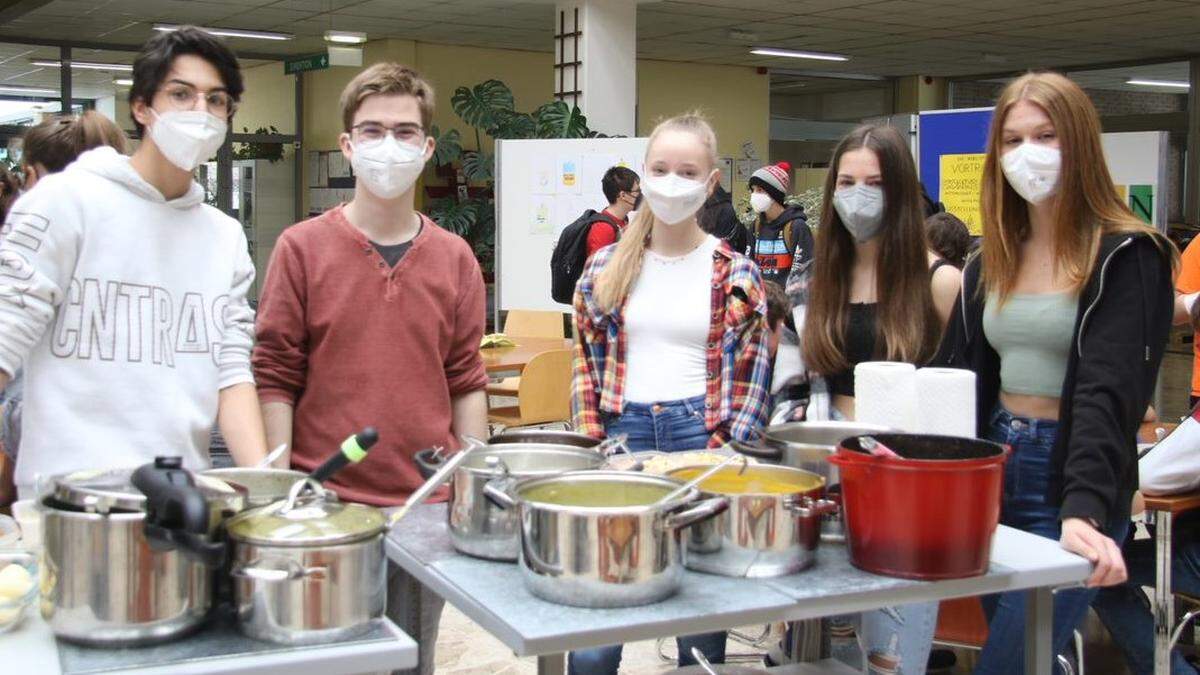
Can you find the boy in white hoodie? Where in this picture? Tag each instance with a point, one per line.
(123, 295)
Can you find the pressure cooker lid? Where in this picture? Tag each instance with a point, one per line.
(309, 516)
(112, 490)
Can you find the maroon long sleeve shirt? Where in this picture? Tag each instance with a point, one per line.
(351, 342)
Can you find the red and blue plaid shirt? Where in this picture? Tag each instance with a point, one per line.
(739, 368)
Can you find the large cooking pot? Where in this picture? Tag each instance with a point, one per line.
(129, 556)
(544, 436)
(772, 525)
(308, 568)
(929, 513)
(808, 446)
(477, 526)
(263, 485)
(601, 538)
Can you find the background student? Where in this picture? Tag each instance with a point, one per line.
(1064, 318)
(949, 240)
(624, 194)
(155, 345)
(672, 343)
(780, 235)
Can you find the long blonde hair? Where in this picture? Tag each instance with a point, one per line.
(1088, 205)
(616, 279)
(907, 327)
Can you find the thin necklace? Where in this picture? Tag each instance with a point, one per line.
(676, 259)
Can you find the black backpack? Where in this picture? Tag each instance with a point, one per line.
(570, 255)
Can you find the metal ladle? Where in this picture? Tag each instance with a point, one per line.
(703, 661)
(269, 460)
(699, 479)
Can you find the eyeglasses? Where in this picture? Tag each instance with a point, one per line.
(370, 133)
(184, 97)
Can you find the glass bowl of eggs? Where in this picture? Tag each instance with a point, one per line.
(18, 586)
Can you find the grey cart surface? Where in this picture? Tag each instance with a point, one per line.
(216, 648)
(493, 595)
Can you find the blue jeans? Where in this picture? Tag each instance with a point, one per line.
(1025, 507)
(673, 426)
(1124, 609)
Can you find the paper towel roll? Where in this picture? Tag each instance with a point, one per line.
(885, 393)
(946, 402)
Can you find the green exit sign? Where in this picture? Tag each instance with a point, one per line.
(314, 62)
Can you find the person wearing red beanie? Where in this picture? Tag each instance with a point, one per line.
(781, 232)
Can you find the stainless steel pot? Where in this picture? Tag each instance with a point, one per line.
(544, 436)
(308, 569)
(603, 556)
(480, 528)
(807, 446)
(263, 485)
(104, 582)
(762, 534)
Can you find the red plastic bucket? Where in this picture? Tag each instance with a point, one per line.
(930, 514)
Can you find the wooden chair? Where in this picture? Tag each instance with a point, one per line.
(962, 623)
(526, 323)
(543, 395)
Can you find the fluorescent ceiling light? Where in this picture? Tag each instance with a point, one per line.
(1158, 83)
(793, 54)
(345, 37)
(229, 32)
(27, 90)
(84, 65)
(123, 81)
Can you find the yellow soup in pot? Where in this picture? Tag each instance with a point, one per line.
(755, 480)
(596, 493)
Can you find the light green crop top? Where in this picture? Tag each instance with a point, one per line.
(1032, 334)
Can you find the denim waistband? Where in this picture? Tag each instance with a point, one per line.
(685, 405)
(1033, 425)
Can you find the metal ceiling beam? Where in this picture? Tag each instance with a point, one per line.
(119, 47)
(15, 9)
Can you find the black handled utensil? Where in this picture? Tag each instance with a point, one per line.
(353, 450)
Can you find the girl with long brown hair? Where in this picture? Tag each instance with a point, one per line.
(1064, 318)
(672, 340)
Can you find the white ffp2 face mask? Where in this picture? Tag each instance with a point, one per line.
(1032, 170)
(187, 138)
(673, 198)
(861, 209)
(760, 202)
(388, 168)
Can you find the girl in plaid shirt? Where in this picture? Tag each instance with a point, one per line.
(673, 340)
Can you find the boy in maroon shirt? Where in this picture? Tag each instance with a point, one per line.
(371, 315)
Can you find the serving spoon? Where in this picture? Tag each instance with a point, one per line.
(699, 479)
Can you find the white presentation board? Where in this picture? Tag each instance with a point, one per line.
(541, 187)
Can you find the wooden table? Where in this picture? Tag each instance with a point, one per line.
(514, 359)
(1163, 511)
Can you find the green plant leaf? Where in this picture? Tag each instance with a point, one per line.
(448, 146)
(483, 105)
(477, 166)
(558, 120)
(453, 215)
(515, 125)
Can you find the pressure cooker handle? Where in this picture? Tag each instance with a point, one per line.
(353, 450)
(700, 512)
(428, 461)
(176, 511)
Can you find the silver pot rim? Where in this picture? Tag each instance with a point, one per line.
(765, 467)
(521, 448)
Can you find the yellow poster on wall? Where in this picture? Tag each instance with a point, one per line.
(960, 176)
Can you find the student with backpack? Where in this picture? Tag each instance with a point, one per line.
(593, 231)
(781, 234)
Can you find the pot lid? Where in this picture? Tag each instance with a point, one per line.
(112, 490)
(309, 516)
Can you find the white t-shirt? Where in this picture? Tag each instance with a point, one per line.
(667, 320)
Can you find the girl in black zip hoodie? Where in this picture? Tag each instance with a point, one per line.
(1063, 317)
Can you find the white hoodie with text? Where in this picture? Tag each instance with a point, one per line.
(128, 313)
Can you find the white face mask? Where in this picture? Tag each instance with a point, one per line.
(388, 168)
(760, 202)
(187, 138)
(1032, 170)
(861, 209)
(673, 198)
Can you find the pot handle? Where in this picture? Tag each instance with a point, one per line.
(758, 449)
(496, 491)
(700, 512)
(808, 507)
(277, 569)
(176, 511)
(429, 460)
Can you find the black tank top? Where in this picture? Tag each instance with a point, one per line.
(859, 346)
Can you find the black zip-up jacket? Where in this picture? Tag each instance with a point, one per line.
(1121, 328)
